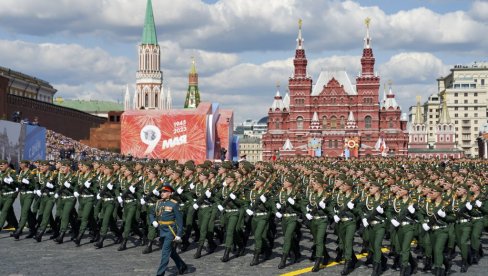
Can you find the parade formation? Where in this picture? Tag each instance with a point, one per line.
(388, 203)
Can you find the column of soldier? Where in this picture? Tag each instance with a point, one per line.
(387, 203)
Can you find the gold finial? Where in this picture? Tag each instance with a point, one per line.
(367, 21)
(300, 23)
(390, 82)
(419, 98)
(193, 69)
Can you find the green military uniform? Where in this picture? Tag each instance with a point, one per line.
(27, 183)
(45, 190)
(86, 189)
(109, 190)
(149, 197)
(130, 196)
(8, 192)
(65, 185)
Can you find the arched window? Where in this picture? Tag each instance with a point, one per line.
(299, 122)
(146, 100)
(333, 122)
(156, 101)
(343, 122)
(367, 122)
(390, 123)
(324, 122)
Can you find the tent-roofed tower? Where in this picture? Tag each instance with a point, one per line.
(149, 77)
(193, 94)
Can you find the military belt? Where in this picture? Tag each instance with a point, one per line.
(204, 206)
(374, 222)
(346, 219)
(462, 221)
(9, 193)
(129, 200)
(182, 204)
(476, 218)
(405, 223)
(26, 192)
(108, 199)
(86, 196)
(231, 210)
(151, 204)
(261, 214)
(438, 227)
(319, 217)
(66, 197)
(289, 215)
(166, 222)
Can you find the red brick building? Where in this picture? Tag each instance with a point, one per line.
(332, 115)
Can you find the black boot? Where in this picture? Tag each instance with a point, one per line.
(79, 237)
(17, 234)
(99, 243)
(376, 269)
(123, 245)
(283, 261)
(255, 259)
(348, 267)
(384, 263)
(55, 228)
(316, 266)
(182, 269)
(32, 233)
(225, 258)
(198, 254)
(396, 262)
(475, 257)
(267, 252)
(60, 238)
(427, 264)
(326, 258)
(211, 246)
(148, 248)
(339, 256)
(402, 271)
(464, 266)
(38, 236)
(413, 264)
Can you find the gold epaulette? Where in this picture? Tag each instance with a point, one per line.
(174, 201)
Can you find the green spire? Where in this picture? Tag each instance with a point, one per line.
(149, 32)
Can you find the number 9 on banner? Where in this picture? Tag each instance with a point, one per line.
(150, 135)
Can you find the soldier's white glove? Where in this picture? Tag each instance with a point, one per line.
(232, 196)
(177, 239)
(119, 199)
(68, 185)
(208, 194)
(379, 209)
(478, 203)
(49, 185)
(441, 213)
(350, 205)
(87, 184)
(469, 206)
(249, 212)
(221, 209)
(308, 208)
(263, 198)
(278, 206)
(56, 196)
(192, 186)
(155, 192)
(395, 222)
(425, 226)
(132, 189)
(336, 218)
(322, 204)
(99, 197)
(143, 202)
(179, 190)
(38, 192)
(155, 224)
(110, 186)
(8, 180)
(365, 222)
(195, 206)
(17, 189)
(224, 184)
(278, 215)
(25, 181)
(309, 216)
(411, 209)
(291, 201)
(76, 194)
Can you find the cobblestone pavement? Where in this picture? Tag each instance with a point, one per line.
(27, 257)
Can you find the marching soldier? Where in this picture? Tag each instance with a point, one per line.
(65, 185)
(167, 217)
(26, 181)
(45, 190)
(149, 197)
(8, 190)
(85, 190)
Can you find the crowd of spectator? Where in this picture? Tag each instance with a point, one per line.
(59, 146)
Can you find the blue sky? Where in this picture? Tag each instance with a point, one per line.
(87, 49)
